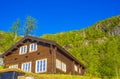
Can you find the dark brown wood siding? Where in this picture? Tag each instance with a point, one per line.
(69, 64)
(42, 53)
(45, 50)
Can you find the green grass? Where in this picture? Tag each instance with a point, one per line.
(47, 76)
(58, 76)
(1, 67)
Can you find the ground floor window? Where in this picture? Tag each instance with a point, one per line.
(76, 68)
(13, 66)
(60, 65)
(26, 67)
(79, 70)
(41, 65)
(63, 67)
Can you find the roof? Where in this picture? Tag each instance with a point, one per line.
(45, 41)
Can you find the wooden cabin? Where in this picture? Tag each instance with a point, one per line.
(37, 55)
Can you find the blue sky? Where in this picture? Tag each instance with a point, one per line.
(55, 16)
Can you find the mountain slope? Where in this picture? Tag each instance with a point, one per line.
(96, 46)
(7, 40)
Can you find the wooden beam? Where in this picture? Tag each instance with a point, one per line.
(73, 69)
(54, 59)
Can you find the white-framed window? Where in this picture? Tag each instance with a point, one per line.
(13, 66)
(75, 67)
(58, 64)
(26, 67)
(41, 66)
(79, 70)
(63, 67)
(23, 49)
(33, 47)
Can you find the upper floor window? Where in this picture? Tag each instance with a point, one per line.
(26, 67)
(33, 47)
(23, 49)
(75, 67)
(41, 65)
(13, 66)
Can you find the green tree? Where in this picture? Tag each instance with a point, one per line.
(1, 44)
(15, 28)
(30, 25)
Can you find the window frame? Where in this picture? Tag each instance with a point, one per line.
(32, 49)
(80, 70)
(22, 50)
(58, 64)
(27, 70)
(76, 68)
(64, 67)
(36, 66)
(61, 65)
(13, 66)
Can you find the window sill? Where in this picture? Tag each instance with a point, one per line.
(32, 51)
(41, 72)
(22, 53)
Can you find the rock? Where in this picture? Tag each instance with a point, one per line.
(115, 31)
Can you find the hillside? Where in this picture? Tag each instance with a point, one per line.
(96, 46)
(7, 40)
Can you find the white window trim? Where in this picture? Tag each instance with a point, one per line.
(30, 47)
(61, 65)
(21, 49)
(13, 66)
(76, 68)
(26, 63)
(80, 70)
(58, 64)
(64, 67)
(45, 66)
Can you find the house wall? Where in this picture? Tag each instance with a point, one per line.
(42, 53)
(44, 50)
(69, 64)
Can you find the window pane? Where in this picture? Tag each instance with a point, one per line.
(38, 66)
(63, 67)
(21, 50)
(58, 63)
(43, 65)
(75, 67)
(31, 46)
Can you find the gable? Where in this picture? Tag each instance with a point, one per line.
(25, 40)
